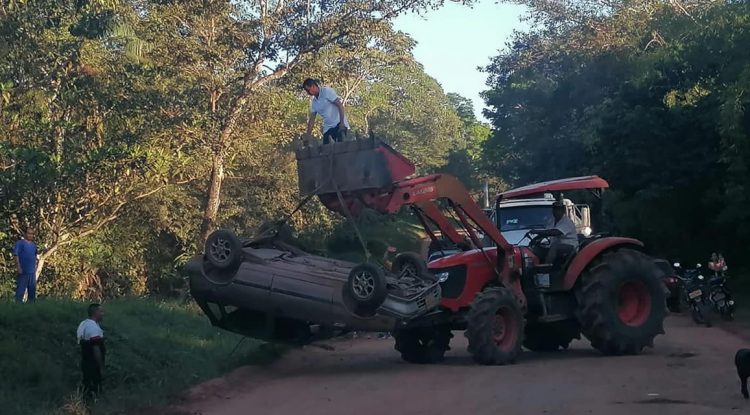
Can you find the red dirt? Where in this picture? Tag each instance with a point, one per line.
(690, 371)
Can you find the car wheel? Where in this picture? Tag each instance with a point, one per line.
(366, 288)
(223, 250)
(411, 265)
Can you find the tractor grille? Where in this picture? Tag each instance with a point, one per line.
(454, 285)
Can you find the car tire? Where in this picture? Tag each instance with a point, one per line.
(366, 288)
(223, 250)
(410, 264)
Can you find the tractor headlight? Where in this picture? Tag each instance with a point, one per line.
(442, 276)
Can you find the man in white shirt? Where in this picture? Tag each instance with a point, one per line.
(91, 338)
(327, 103)
(561, 232)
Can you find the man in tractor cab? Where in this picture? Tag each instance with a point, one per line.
(562, 235)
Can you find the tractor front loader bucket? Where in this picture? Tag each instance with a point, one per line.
(350, 167)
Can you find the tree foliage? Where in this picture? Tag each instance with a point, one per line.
(647, 94)
(129, 128)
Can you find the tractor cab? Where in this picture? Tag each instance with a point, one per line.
(550, 277)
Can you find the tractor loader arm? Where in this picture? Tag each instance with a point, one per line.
(351, 176)
(354, 175)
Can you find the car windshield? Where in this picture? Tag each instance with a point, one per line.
(524, 217)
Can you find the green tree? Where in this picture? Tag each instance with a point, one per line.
(77, 142)
(646, 95)
(229, 51)
(465, 159)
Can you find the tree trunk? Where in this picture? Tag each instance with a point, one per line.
(217, 167)
(39, 266)
(214, 193)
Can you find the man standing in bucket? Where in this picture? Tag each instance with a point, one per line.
(327, 103)
(25, 252)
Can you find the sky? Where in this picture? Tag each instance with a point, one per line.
(454, 40)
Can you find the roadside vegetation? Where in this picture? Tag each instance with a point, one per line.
(154, 350)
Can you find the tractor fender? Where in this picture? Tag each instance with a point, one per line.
(593, 250)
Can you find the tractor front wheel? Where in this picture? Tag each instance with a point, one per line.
(494, 327)
(622, 302)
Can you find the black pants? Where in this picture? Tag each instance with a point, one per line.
(337, 134)
(558, 252)
(92, 375)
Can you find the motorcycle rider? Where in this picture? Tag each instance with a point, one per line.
(717, 264)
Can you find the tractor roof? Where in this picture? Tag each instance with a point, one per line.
(562, 185)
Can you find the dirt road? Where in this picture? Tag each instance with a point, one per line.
(690, 371)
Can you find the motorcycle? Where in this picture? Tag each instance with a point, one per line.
(721, 296)
(697, 292)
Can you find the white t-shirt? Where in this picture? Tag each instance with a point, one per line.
(89, 329)
(324, 105)
(568, 229)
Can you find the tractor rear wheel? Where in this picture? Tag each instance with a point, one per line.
(551, 337)
(494, 327)
(621, 302)
(423, 344)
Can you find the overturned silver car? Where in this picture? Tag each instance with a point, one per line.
(267, 288)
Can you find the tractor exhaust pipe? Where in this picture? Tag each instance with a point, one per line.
(486, 191)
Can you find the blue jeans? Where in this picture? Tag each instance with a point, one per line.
(25, 282)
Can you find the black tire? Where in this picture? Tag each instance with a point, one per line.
(727, 316)
(699, 313)
(677, 302)
(682, 299)
(551, 337)
(223, 250)
(621, 302)
(494, 327)
(409, 264)
(366, 288)
(702, 314)
(423, 345)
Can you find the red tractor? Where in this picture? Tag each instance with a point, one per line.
(608, 289)
(500, 295)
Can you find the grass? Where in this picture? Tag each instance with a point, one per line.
(154, 350)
